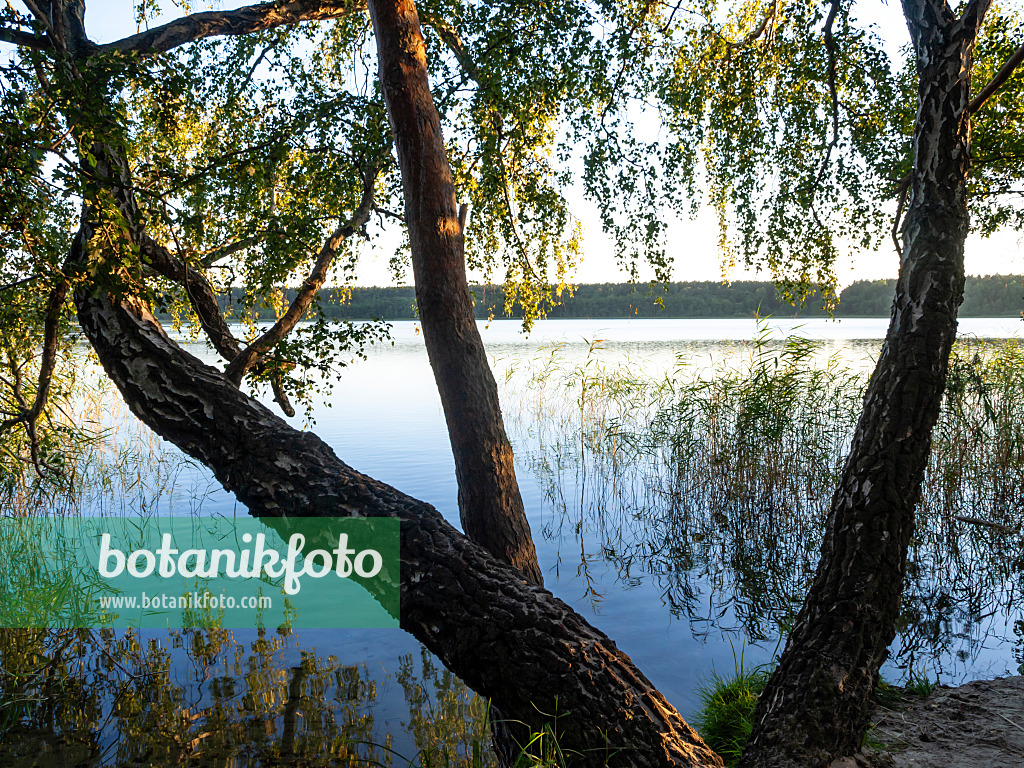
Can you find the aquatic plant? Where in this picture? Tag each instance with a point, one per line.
(714, 479)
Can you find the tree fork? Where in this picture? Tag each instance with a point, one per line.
(490, 505)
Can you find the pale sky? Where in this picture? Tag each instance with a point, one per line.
(692, 243)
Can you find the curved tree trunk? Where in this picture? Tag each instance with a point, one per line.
(509, 640)
(490, 505)
(816, 705)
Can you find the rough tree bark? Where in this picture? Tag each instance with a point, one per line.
(490, 504)
(816, 705)
(508, 639)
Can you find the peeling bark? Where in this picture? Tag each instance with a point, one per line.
(816, 705)
(490, 504)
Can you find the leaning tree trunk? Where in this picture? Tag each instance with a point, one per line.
(816, 705)
(490, 505)
(508, 639)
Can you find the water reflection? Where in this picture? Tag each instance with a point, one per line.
(621, 516)
(715, 484)
(205, 698)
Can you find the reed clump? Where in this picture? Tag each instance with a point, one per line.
(716, 480)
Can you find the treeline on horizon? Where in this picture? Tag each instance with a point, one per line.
(988, 296)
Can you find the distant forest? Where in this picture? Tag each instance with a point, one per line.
(989, 296)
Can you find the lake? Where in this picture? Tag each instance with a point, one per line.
(677, 619)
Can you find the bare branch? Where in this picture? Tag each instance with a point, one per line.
(384, 212)
(200, 295)
(987, 523)
(252, 18)
(24, 39)
(237, 368)
(16, 283)
(280, 396)
(221, 252)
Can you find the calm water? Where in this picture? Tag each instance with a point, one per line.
(384, 418)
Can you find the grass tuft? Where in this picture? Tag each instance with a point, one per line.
(726, 715)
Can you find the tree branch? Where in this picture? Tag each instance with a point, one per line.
(223, 251)
(252, 18)
(243, 361)
(756, 32)
(204, 302)
(974, 14)
(1005, 73)
(200, 295)
(51, 336)
(451, 38)
(16, 283)
(24, 39)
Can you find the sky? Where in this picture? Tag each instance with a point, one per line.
(692, 244)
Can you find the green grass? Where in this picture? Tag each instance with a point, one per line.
(726, 715)
(725, 719)
(916, 684)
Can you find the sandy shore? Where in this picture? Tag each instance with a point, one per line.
(978, 725)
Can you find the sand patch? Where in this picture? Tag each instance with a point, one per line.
(978, 725)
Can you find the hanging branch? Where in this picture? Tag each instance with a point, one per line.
(51, 336)
(830, 47)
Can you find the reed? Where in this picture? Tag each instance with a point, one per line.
(717, 479)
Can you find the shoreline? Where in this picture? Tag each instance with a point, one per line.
(979, 724)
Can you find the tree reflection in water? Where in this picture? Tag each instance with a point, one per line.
(202, 698)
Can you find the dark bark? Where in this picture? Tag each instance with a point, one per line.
(816, 705)
(508, 639)
(490, 504)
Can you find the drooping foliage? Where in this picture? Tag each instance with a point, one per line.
(791, 118)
